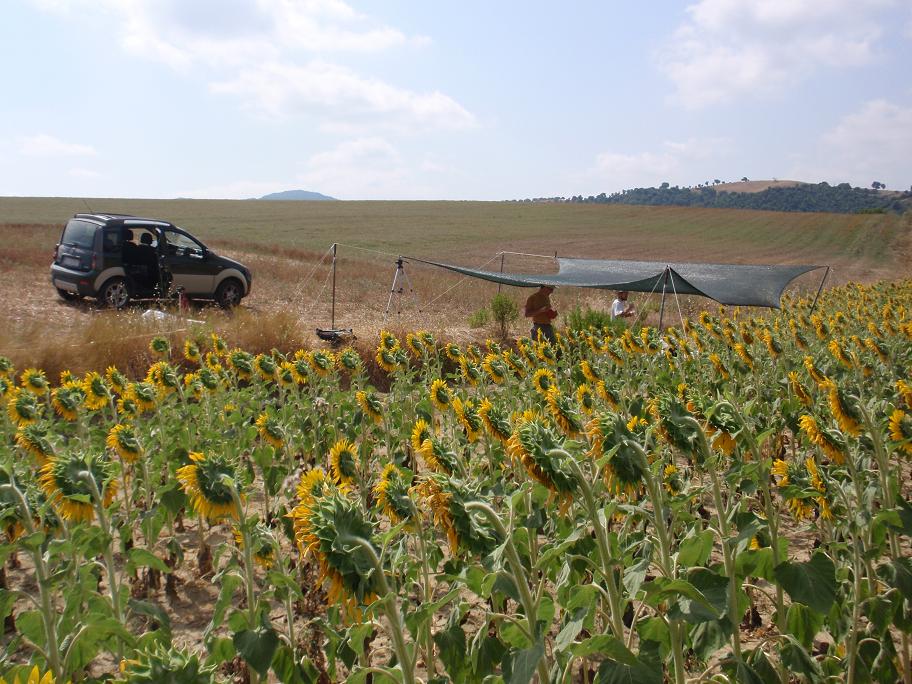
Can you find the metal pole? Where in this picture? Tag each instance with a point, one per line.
(332, 323)
(662, 306)
(389, 302)
(502, 255)
(820, 289)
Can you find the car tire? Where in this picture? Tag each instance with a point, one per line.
(114, 294)
(229, 293)
(68, 296)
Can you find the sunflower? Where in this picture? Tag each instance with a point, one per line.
(389, 341)
(192, 386)
(545, 352)
(799, 390)
(285, 374)
(531, 445)
(34, 677)
(840, 354)
(202, 482)
(371, 405)
(350, 360)
(812, 370)
(428, 339)
(877, 347)
(34, 381)
(440, 395)
(270, 430)
(671, 479)
(301, 370)
(311, 485)
(470, 371)
(6, 367)
(905, 391)
(564, 412)
(495, 367)
(673, 424)
(719, 366)
(97, 393)
(625, 469)
(127, 407)
(324, 525)
(438, 456)
(515, 362)
(160, 346)
(420, 432)
(467, 413)
(392, 494)
(473, 352)
(453, 352)
(164, 377)
(191, 351)
(465, 530)
(414, 344)
(543, 380)
(495, 420)
(117, 380)
(831, 443)
(588, 372)
(901, 431)
(68, 492)
(33, 439)
(387, 359)
(68, 399)
(122, 439)
(241, 363)
(744, 353)
(608, 395)
(262, 544)
(322, 362)
(845, 412)
(22, 407)
(265, 366)
(144, 394)
(219, 346)
(343, 459)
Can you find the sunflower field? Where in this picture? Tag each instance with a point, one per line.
(724, 501)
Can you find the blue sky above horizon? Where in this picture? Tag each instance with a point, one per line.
(469, 100)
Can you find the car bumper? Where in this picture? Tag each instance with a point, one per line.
(77, 282)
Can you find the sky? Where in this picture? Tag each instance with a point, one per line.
(398, 99)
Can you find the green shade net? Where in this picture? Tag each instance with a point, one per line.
(730, 284)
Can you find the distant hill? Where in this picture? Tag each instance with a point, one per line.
(772, 195)
(298, 195)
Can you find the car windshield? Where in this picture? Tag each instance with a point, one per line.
(181, 241)
(79, 233)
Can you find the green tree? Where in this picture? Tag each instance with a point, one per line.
(504, 310)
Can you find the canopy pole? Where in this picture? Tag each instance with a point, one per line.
(502, 255)
(662, 306)
(820, 289)
(332, 322)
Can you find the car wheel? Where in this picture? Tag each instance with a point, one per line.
(68, 296)
(114, 294)
(229, 293)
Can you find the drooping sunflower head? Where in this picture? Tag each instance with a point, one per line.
(191, 351)
(905, 391)
(350, 361)
(814, 372)
(515, 362)
(285, 374)
(717, 363)
(415, 345)
(900, 426)
(22, 407)
(218, 345)
(97, 393)
(271, 430)
(830, 442)
(495, 367)
(453, 352)
(420, 432)
(543, 380)
(545, 352)
(164, 377)
(117, 381)
(343, 460)
(144, 393)
(471, 373)
(301, 370)
(625, 469)
(34, 381)
(392, 494)
(608, 395)
(64, 480)
(564, 412)
(496, 420)
(588, 372)
(123, 441)
(322, 362)
(203, 481)
(211, 378)
(672, 422)
(799, 390)
(387, 359)
(532, 444)
(6, 367)
(371, 405)
(160, 346)
(446, 498)
(440, 395)
(241, 363)
(467, 414)
(68, 399)
(33, 439)
(389, 341)
(844, 410)
(265, 366)
(438, 455)
(262, 544)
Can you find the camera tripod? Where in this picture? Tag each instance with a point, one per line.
(405, 282)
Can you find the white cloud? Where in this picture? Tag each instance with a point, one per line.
(85, 174)
(730, 48)
(678, 163)
(44, 145)
(239, 189)
(277, 90)
(364, 167)
(874, 143)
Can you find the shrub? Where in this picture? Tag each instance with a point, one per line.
(579, 318)
(479, 319)
(504, 310)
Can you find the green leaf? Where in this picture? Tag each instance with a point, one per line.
(485, 653)
(695, 550)
(7, 600)
(812, 583)
(257, 647)
(755, 563)
(898, 573)
(803, 623)
(705, 599)
(451, 645)
(221, 650)
(145, 558)
(31, 626)
(571, 629)
(519, 666)
(623, 667)
(799, 661)
(154, 611)
(710, 636)
(230, 583)
(288, 671)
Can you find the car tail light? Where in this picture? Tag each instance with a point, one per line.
(94, 261)
(56, 249)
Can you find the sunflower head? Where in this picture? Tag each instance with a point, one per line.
(350, 361)
(122, 439)
(543, 380)
(453, 352)
(144, 394)
(68, 399)
(192, 351)
(34, 381)
(6, 367)
(241, 363)
(164, 377)
(392, 494)
(271, 430)
(343, 460)
(420, 432)
(564, 412)
(389, 341)
(830, 442)
(285, 374)
(116, 380)
(844, 410)
(446, 498)
(203, 481)
(387, 359)
(218, 345)
(32, 676)
(160, 346)
(470, 371)
(262, 544)
(370, 405)
(900, 426)
(97, 393)
(532, 444)
(322, 362)
(496, 420)
(625, 467)
(467, 414)
(64, 480)
(671, 418)
(495, 367)
(415, 345)
(265, 366)
(22, 407)
(33, 439)
(440, 395)
(438, 455)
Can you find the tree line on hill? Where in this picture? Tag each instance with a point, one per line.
(807, 197)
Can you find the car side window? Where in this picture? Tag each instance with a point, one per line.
(111, 240)
(178, 243)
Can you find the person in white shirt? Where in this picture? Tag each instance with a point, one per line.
(620, 307)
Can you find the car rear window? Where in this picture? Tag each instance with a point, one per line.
(80, 233)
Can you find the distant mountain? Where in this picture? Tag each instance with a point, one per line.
(298, 195)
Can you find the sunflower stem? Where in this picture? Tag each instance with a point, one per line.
(249, 577)
(519, 578)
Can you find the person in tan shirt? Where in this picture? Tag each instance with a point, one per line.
(538, 308)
